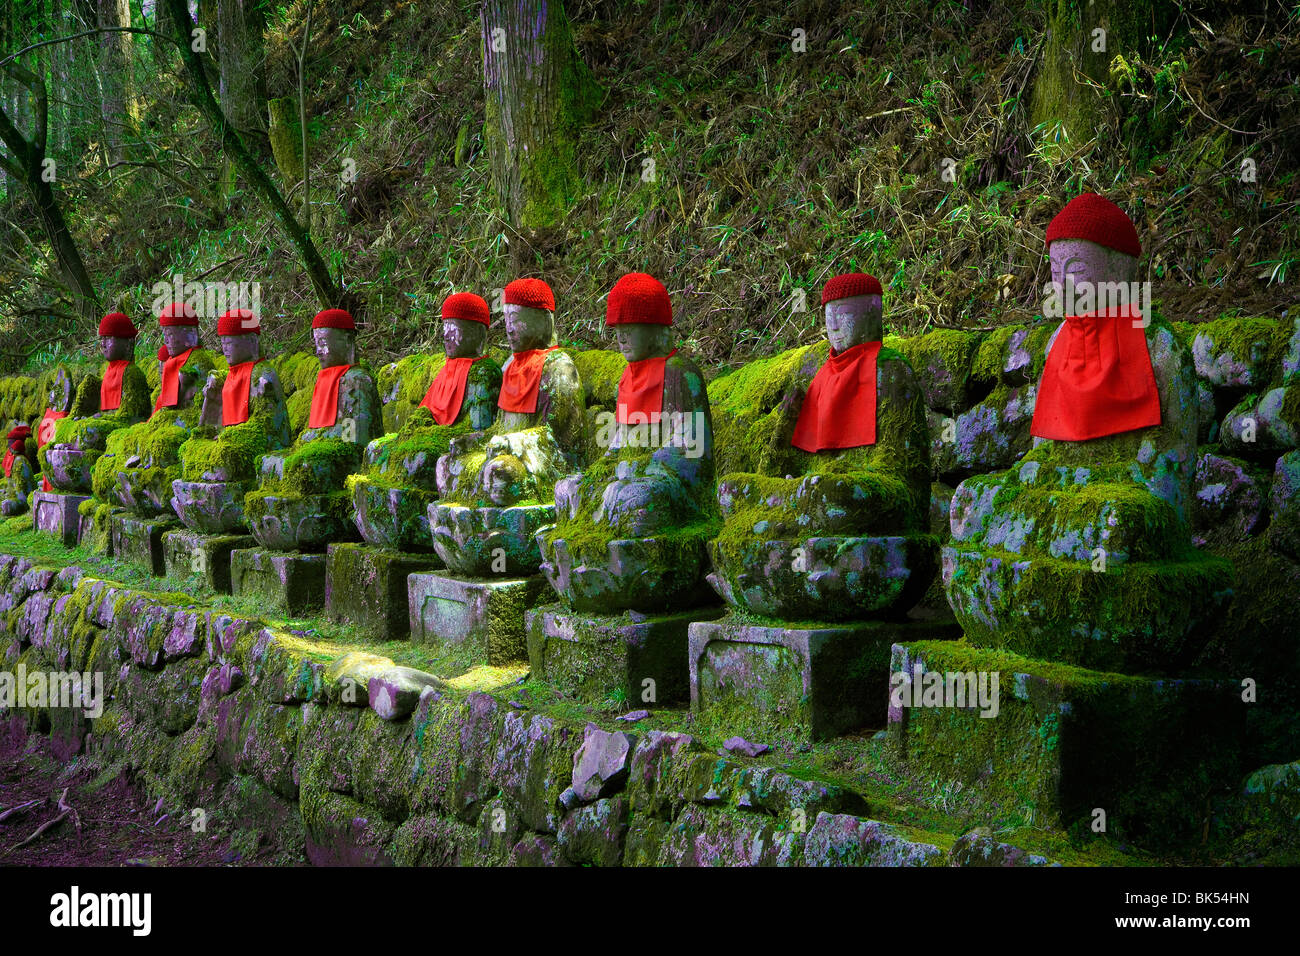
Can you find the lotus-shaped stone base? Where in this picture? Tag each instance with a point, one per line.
(301, 522)
(483, 542)
(392, 516)
(69, 468)
(210, 507)
(825, 578)
(1136, 616)
(637, 574)
(144, 491)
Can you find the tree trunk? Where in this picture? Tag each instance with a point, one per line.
(28, 167)
(327, 291)
(538, 92)
(240, 27)
(118, 105)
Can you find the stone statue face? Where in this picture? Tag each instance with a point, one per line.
(1078, 261)
(60, 396)
(335, 346)
(853, 320)
(180, 338)
(239, 349)
(528, 328)
(115, 349)
(642, 340)
(463, 338)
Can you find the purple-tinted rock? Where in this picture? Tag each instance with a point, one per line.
(843, 840)
(1258, 428)
(1228, 503)
(600, 765)
(394, 694)
(978, 848)
(1284, 529)
(739, 745)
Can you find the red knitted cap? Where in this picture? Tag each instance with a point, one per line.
(241, 322)
(118, 326)
(19, 431)
(1092, 217)
(178, 313)
(333, 319)
(850, 283)
(530, 292)
(163, 354)
(638, 298)
(467, 305)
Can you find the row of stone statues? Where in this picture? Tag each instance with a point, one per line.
(493, 471)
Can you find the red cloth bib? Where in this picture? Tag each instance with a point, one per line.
(110, 387)
(325, 397)
(1098, 379)
(234, 393)
(520, 382)
(170, 391)
(839, 410)
(45, 435)
(447, 390)
(9, 461)
(641, 390)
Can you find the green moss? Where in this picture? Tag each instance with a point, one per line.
(600, 371)
(1260, 341)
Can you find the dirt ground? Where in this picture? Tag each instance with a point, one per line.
(118, 824)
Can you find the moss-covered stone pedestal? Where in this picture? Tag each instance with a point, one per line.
(392, 516)
(1060, 742)
(800, 682)
(140, 540)
(96, 531)
(485, 615)
(480, 541)
(367, 587)
(628, 659)
(291, 582)
(55, 513)
(188, 552)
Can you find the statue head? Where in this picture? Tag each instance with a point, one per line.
(853, 304)
(640, 312)
(465, 319)
(180, 327)
(529, 315)
(61, 391)
(334, 333)
(1090, 242)
(240, 332)
(117, 337)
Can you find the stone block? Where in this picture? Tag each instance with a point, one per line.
(607, 658)
(484, 615)
(800, 683)
(392, 516)
(139, 540)
(287, 581)
(56, 514)
(189, 552)
(367, 587)
(1055, 743)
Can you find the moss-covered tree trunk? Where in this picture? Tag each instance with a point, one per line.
(538, 92)
(116, 76)
(240, 26)
(1076, 56)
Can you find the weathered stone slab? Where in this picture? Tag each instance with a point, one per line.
(627, 658)
(288, 581)
(367, 587)
(485, 614)
(56, 514)
(798, 683)
(189, 552)
(139, 540)
(1056, 743)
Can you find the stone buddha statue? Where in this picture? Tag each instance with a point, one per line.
(1080, 552)
(498, 487)
(242, 417)
(142, 461)
(631, 530)
(18, 478)
(103, 404)
(393, 494)
(302, 503)
(833, 526)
